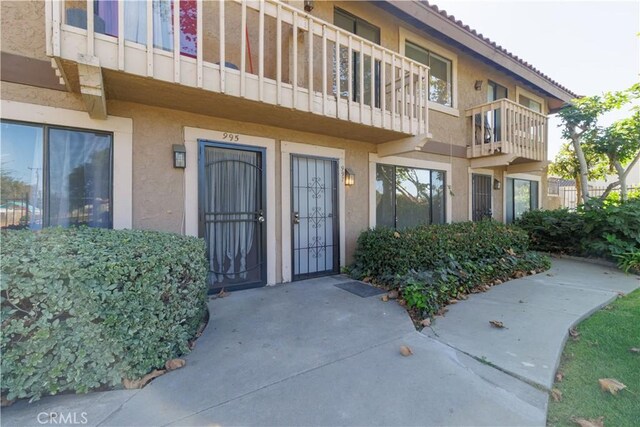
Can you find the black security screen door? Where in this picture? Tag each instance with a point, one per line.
(314, 201)
(481, 197)
(232, 215)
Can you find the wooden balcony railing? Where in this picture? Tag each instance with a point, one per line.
(506, 127)
(265, 51)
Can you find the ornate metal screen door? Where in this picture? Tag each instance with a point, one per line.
(232, 216)
(314, 196)
(480, 196)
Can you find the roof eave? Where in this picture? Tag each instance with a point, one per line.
(421, 14)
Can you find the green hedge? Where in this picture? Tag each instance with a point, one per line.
(432, 264)
(83, 308)
(383, 251)
(609, 229)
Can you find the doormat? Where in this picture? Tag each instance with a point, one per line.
(361, 289)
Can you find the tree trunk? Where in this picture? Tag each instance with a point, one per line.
(584, 169)
(622, 178)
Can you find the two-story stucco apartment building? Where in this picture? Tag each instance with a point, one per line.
(275, 130)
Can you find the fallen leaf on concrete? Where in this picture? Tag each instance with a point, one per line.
(582, 422)
(550, 274)
(442, 311)
(497, 282)
(533, 272)
(402, 302)
(393, 294)
(487, 287)
(519, 274)
(405, 351)
(496, 324)
(634, 350)
(520, 301)
(556, 394)
(453, 301)
(366, 279)
(4, 402)
(141, 382)
(384, 298)
(559, 376)
(611, 385)
(620, 294)
(463, 296)
(222, 293)
(573, 332)
(426, 323)
(174, 364)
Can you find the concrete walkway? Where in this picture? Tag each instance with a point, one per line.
(537, 312)
(310, 353)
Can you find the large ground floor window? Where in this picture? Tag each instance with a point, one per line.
(406, 197)
(522, 196)
(55, 176)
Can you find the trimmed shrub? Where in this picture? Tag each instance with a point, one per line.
(383, 251)
(83, 308)
(606, 229)
(433, 264)
(557, 231)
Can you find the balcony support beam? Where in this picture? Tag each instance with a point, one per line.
(92, 86)
(401, 146)
(492, 161)
(528, 167)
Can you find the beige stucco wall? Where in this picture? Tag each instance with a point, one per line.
(158, 188)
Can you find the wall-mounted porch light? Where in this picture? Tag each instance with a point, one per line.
(349, 177)
(496, 184)
(478, 85)
(308, 5)
(179, 156)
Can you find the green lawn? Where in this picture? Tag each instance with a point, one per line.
(602, 351)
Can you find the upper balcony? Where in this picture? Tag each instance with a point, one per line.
(503, 132)
(258, 52)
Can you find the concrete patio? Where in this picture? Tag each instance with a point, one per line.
(310, 353)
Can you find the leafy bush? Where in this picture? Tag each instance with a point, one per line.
(433, 264)
(83, 308)
(608, 228)
(611, 229)
(383, 251)
(557, 230)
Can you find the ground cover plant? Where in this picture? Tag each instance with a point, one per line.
(599, 374)
(86, 308)
(430, 266)
(608, 229)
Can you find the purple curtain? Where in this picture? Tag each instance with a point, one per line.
(107, 11)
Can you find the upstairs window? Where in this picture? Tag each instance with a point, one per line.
(530, 103)
(367, 31)
(54, 176)
(440, 73)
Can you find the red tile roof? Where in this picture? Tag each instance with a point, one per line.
(496, 46)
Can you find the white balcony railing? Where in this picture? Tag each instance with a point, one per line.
(265, 51)
(506, 127)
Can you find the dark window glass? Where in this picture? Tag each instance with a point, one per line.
(406, 197)
(522, 196)
(55, 177)
(385, 202)
(440, 73)
(361, 28)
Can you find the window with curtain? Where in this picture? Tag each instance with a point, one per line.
(54, 176)
(135, 21)
(522, 196)
(406, 197)
(440, 73)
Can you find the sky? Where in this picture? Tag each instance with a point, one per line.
(590, 47)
